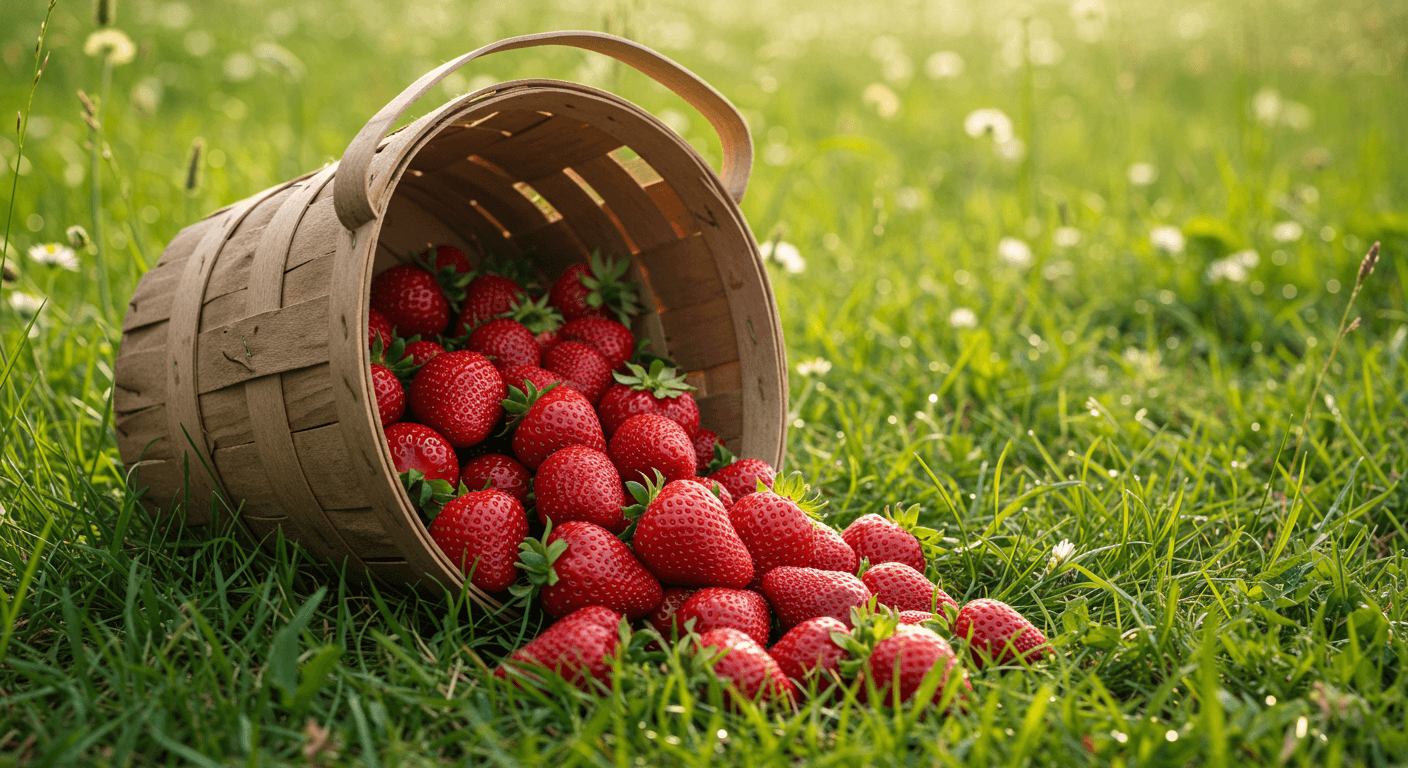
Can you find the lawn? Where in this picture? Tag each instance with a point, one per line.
(1053, 272)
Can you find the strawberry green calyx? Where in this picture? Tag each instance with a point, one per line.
(429, 496)
(520, 271)
(536, 558)
(452, 282)
(908, 519)
(608, 290)
(722, 458)
(659, 381)
(864, 566)
(795, 489)
(535, 315)
(870, 624)
(518, 402)
(395, 358)
(643, 493)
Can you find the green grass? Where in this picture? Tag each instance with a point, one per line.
(1225, 605)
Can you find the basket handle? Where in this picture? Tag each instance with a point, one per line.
(351, 190)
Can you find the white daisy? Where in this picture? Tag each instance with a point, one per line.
(988, 122)
(786, 254)
(25, 304)
(55, 255)
(963, 317)
(1015, 252)
(816, 366)
(1167, 239)
(113, 44)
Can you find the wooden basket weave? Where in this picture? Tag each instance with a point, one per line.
(244, 365)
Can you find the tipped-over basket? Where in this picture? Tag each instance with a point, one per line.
(243, 378)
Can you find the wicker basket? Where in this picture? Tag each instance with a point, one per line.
(244, 363)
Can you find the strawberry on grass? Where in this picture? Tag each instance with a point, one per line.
(714, 607)
(798, 594)
(665, 617)
(998, 634)
(480, 532)
(898, 586)
(578, 647)
(739, 476)
(902, 663)
(776, 527)
(684, 537)
(745, 668)
(578, 564)
(891, 538)
(810, 650)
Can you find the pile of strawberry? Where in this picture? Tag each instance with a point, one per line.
(496, 402)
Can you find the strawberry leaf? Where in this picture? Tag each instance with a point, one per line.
(659, 381)
(452, 282)
(722, 458)
(518, 402)
(536, 558)
(606, 288)
(428, 496)
(643, 493)
(792, 487)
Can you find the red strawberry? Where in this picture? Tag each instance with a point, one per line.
(613, 340)
(716, 488)
(411, 299)
(495, 470)
(997, 632)
(390, 395)
(581, 483)
(704, 442)
(648, 444)
(798, 594)
(684, 537)
(546, 339)
(487, 297)
(421, 352)
(480, 532)
(418, 447)
(541, 377)
(551, 421)
(506, 343)
(581, 368)
(832, 553)
(905, 658)
(665, 616)
(379, 327)
(660, 390)
(742, 476)
(884, 541)
(578, 647)
(714, 607)
(447, 257)
(539, 318)
(578, 564)
(745, 668)
(595, 290)
(898, 586)
(460, 395)
(808, 649)
(775, 530)
(921, 617)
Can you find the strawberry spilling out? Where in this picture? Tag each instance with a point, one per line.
(506, 408)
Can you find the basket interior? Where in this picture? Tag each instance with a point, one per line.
(550, 189)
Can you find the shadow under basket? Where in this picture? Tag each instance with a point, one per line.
(243, 378)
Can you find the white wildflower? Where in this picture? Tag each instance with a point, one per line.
(884, 100)
(1012, 149)
(988, 122)
(963, 317)
(1060, 554)
(1287, 231)
(943, 65)
(55, 255)
(1065, 237)
(1142, 174)
(1015, 252)
(785, 254)
(1167, 239)
(112, 44)
(817, 366)
(25, 304)
(1266, 106)
(1235, 268)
